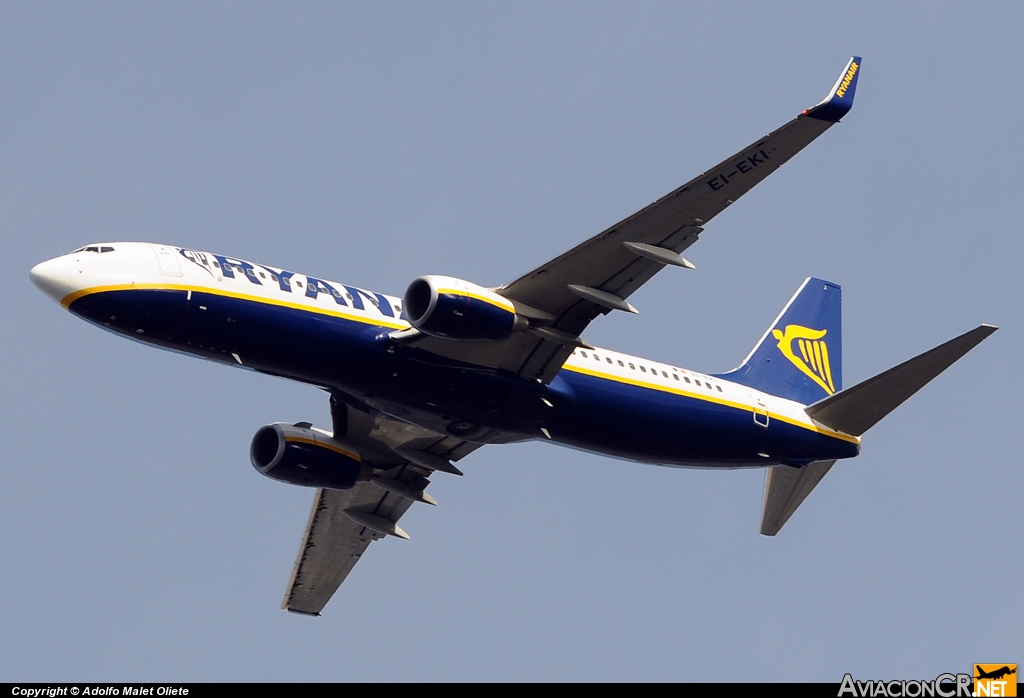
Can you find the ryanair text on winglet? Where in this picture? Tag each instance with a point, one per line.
(847, 79)
(944, 686)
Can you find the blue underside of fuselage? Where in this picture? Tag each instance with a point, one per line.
(663, 427)
(357, 360)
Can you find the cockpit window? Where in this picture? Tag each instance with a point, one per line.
(93, 248)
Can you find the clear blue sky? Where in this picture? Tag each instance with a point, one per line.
(373, 143)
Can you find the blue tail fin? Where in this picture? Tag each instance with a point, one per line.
(800, 357)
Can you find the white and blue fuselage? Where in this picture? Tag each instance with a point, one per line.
(339, 337)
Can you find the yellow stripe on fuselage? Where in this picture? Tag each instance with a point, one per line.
(381, 322)
(356, 317)
(709, 398)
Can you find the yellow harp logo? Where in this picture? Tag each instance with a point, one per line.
(813, 353)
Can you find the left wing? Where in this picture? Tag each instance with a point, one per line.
(560, 298)
(343, 523)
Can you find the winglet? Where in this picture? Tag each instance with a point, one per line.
(840, 99)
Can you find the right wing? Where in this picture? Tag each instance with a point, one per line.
(343, 523)
(560, 298)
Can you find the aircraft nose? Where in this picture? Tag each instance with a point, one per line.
(52, 277)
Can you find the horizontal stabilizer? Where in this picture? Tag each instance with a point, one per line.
(785, 489)
(857, 409)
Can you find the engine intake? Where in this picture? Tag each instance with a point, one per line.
(442, 306)
(308, 457)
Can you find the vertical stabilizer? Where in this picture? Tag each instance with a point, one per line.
(800, 356)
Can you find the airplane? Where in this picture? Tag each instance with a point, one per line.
(418, 382)
(996, 673)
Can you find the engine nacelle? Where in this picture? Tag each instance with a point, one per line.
(308, 457)
(442, 306)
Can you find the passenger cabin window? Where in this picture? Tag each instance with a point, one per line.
(643, 369)
(719, 388)
(621, 364)
(632, 367)
(584, 354)
(608, 359)
(686, 379)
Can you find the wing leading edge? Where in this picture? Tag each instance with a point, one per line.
(562, 297)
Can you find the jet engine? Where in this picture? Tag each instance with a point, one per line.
(455, 309)
(301, 455)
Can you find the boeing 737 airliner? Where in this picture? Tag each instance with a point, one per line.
(416, 383)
